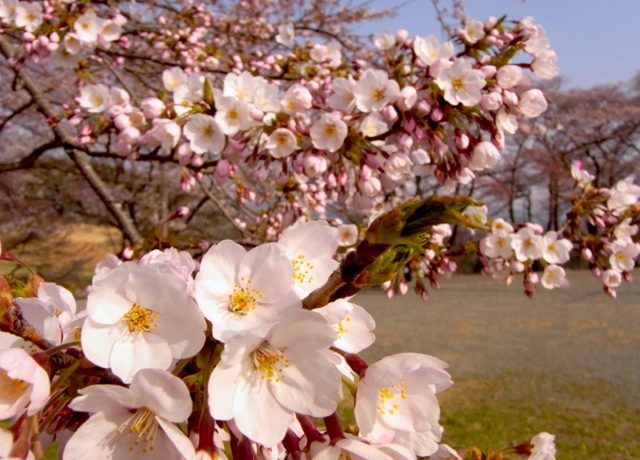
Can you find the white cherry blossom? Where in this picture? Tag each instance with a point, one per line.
(233, 115)
(461, 83)
(532, 103)
(544, 447)
(328, 132)
(527, 244)
(239, 290)
(396, 401)
(296, 99)
(554, 276)
(174, 78)
(347, 235)
(286, 34)
(485, 155)
(261, 382)
(310, 246)
(95, 98)
(353, 325)
(496, 245)
(623, 255)
(140, 316)
(135, 422)
(204, 134)
(24, 385)
(374, 90)
(7, 8)
(429, 49)
(88, 27)
(342, 97)
(281, 143)
(556, 251)
(473, 30)
(28, 15)
(165, 133)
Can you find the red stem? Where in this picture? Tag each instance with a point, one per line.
(334, 428)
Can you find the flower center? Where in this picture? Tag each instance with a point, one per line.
(232, 115)
(140, 319)
(378, 94)
(270, 362)
(457, 84)
(244, 297)
(387, 398)
(11, 389)
(341, 326)
(302, 269)
(330, 130)
(140, 429)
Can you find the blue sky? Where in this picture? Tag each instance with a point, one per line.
(597, 41)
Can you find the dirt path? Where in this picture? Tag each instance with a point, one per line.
(481, 328)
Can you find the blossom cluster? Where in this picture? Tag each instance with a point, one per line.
(177, 359)
(329, 130)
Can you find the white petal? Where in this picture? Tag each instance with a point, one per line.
(177, 438)
(257, 414)
(97, 341)
(138, 351)
(163, 393)
(103, 398)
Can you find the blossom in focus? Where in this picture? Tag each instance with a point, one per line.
(95, 98)
(24, 385)
(612, 278)
(328, 132)
(624, 231)
(374, 90)
(239, 290)
(140, 316)
(310, 247)
(396, 401)
(204, 134)
(135, 422)
(261, 382)
(546, 65)
(353, 325)
(296, 99)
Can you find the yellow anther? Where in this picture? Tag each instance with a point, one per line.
(140, 319)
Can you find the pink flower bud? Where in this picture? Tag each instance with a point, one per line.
(488, 70)
(389, 113)
(462, 141)
(424, 107)
(408, 98)
(182, 211)
(152, 107)
(122, 121)
(127, 253)
(436, 114)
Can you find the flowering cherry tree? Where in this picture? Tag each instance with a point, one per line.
(327, 150)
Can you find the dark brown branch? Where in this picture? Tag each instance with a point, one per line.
(15, 113)
(29, 160)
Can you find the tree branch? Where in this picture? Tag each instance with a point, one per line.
(79, 158)
(30, 159)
